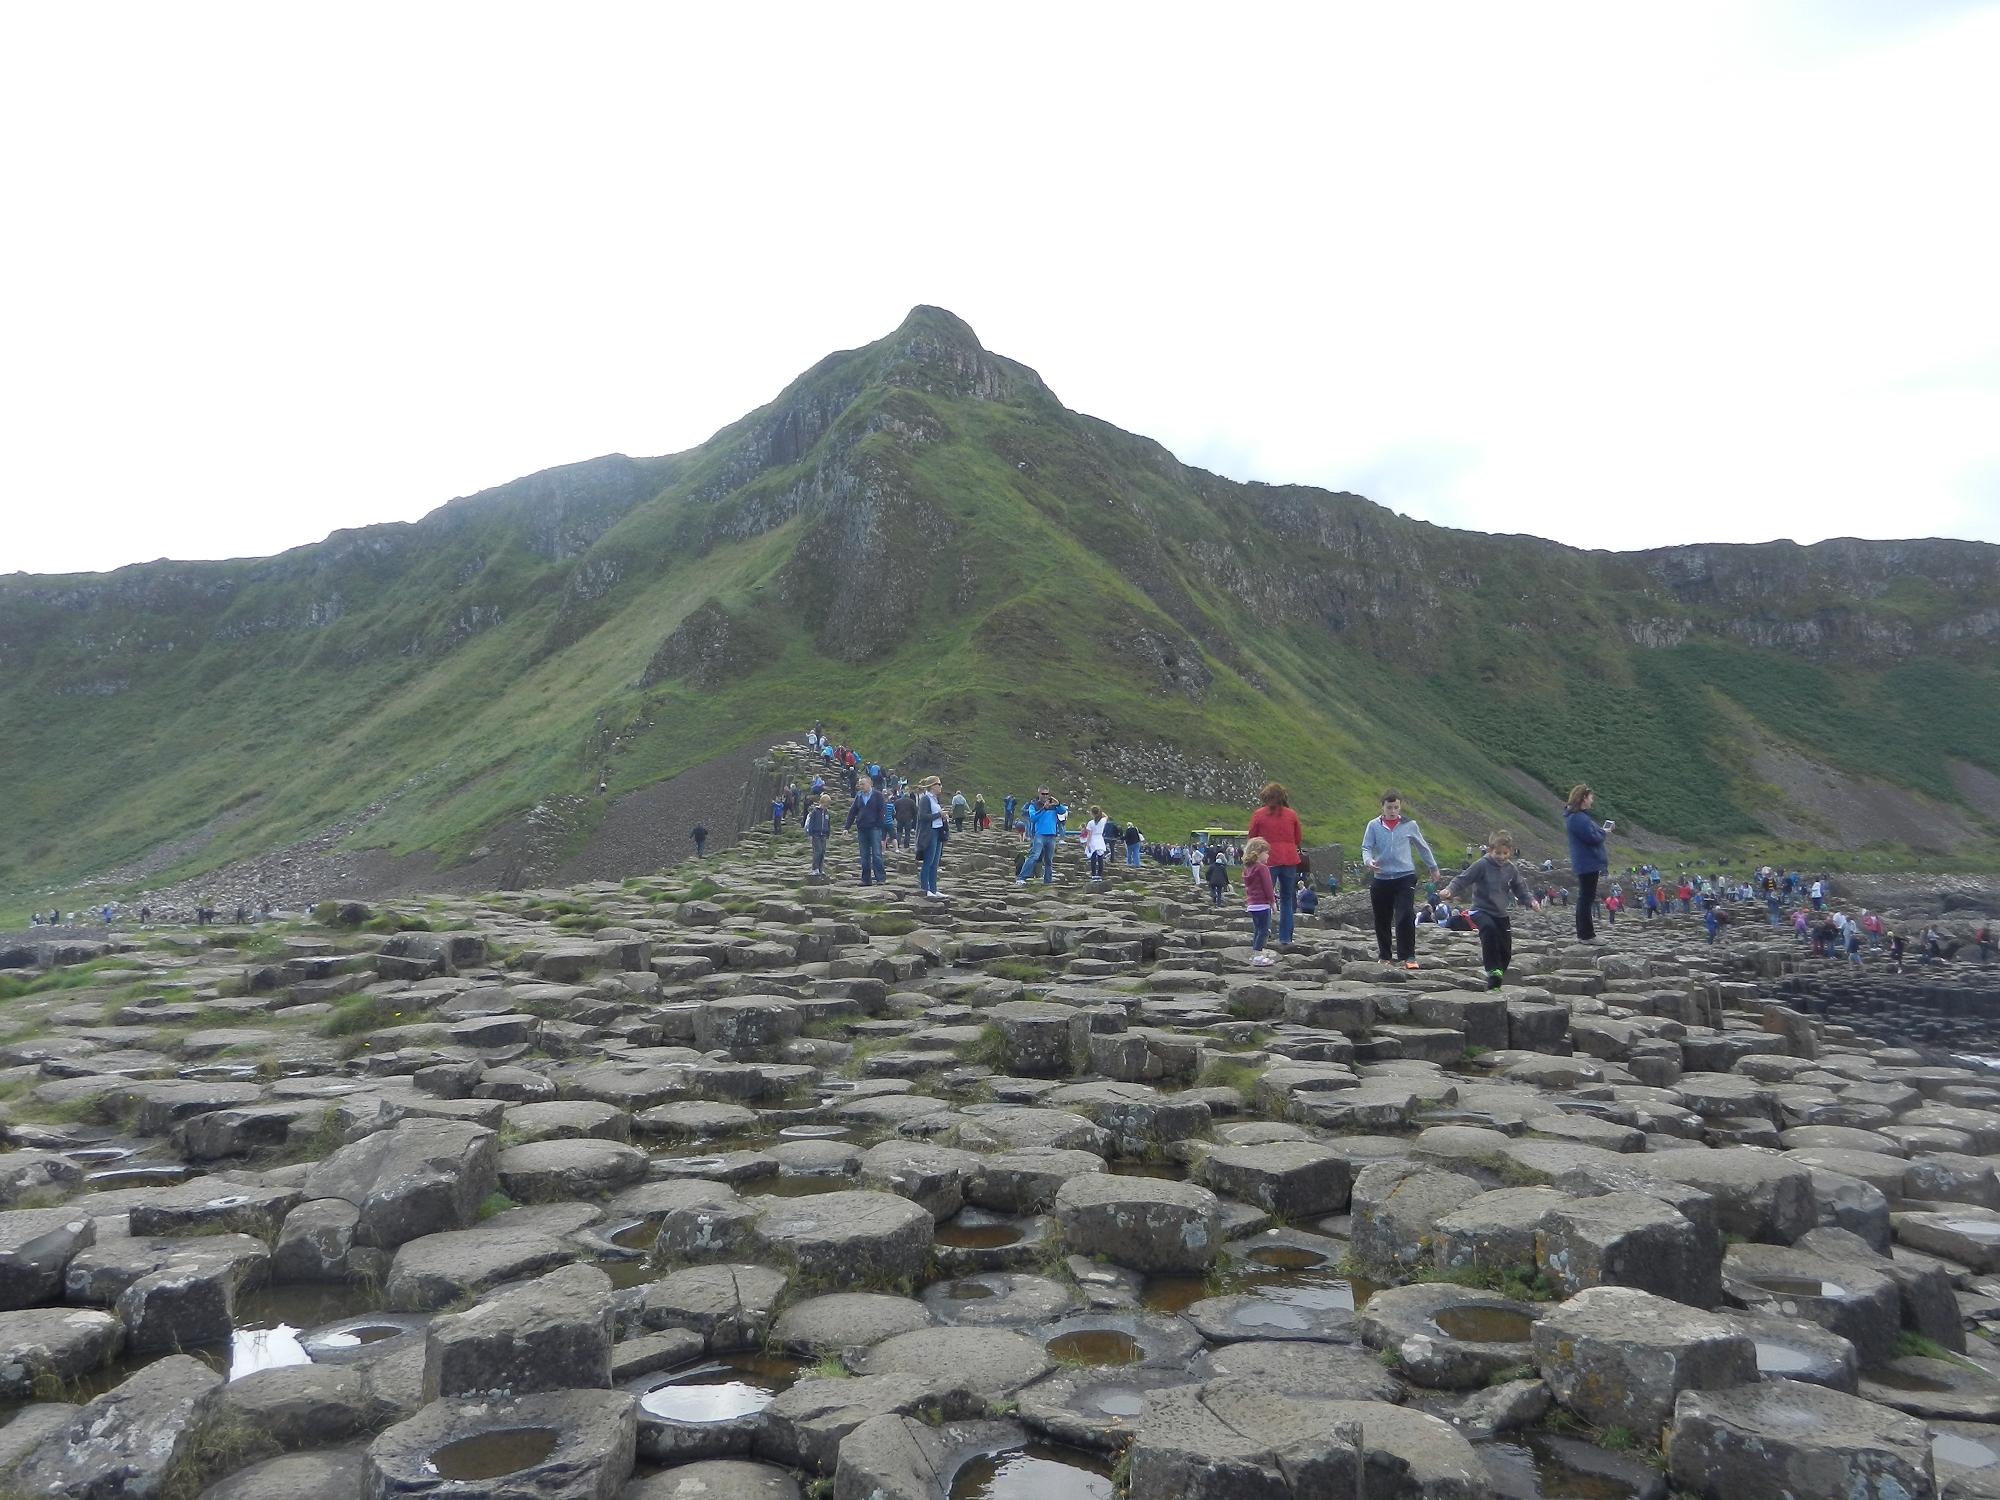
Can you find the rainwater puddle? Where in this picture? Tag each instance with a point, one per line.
(488, 1455)
(814, 1132)
(1036, 1472)
(1967, 1453)
(968, 1291)
(1166, 1171)
(1553, 1477)
(725, 1390)
(978, 1236)
(1096, 1346)
(1782, 1359)
(795, 1187)
(1173, 1294)
(1484, 1325)
(133, 1177)
(1114, 1400)
(1800, 1286)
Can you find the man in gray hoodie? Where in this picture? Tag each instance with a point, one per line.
(1388, 849)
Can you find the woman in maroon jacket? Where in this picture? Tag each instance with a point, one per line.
(1277, 825)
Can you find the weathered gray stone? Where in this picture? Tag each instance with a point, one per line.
(595, 1438)
(420, 1177)
(123, 1445)
(1146, 1223)
(1783, 1440)
(1618, 1356)
(553, 1333)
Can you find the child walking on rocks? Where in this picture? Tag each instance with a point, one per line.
(1484, 886)
(1259, 894)
(819, 823)
(1218, 877)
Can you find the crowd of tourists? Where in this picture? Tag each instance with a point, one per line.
(891, 813)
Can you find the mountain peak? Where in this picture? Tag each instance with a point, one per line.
(939, 325)
(936, 350)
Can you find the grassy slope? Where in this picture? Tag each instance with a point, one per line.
(1078, 536)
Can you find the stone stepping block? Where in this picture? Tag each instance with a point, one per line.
(1842, 1296)
(569, 1443)
(1297, 1179)
(1793, 1349)
(1934, 1388)
(1969, 1236)
(169, 1294)
(1027, 1127)
(1342, 1371)
(1757, 1196)
(731, 1306)
(1094, 1409)
(125, 1442)
(991, 1363)
(805, 1426)
(1145, 1223)
(1396, 1206)
(553, 1171)
(1619, 1357)
(847, 1240)
(568, 1119)
(435, 1270)
(1629, 1239)
(716, 1479)
(1448, 1337)
(549, 1334)
(417, 1178)
(54, 1343)
(291, 1476)
(897, 1456)
(1120, 1340)
(844, 1322)
(1258, 1316)
(1775, 1439)
(36, 1247)
(931, 1176)
(998, 1299)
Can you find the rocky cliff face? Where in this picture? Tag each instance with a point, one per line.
(919, 532)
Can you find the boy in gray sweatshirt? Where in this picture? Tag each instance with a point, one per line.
(1484, 886)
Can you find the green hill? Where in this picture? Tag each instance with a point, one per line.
(917, 543)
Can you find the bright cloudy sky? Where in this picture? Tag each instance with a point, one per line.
(1620, 275)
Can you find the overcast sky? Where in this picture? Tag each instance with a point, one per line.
(1620, 275)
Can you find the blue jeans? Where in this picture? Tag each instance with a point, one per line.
(1260, 929)
(1042, 851)
(1132, 855)
(1287, 877)
(872, 872)
(927, 873)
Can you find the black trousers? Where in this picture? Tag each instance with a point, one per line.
(1394, 898)
(1586, 901)
(1496, 940)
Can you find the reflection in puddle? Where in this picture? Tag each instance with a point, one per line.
(1950, 1448)
(1484, 1325)
(1783, 1359)
(1036, 1472)
(488, 1455)
(723, 1390)
(1096, 1346)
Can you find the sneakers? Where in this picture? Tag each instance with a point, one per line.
(1410, 963)
(1262, 960)
(1493, 978)
(1020, 882)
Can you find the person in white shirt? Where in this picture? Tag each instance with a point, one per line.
(1094, 843)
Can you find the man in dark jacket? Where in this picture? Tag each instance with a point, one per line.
(866, 817)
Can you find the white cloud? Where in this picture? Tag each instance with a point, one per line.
(1619, 276)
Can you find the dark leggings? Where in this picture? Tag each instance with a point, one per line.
(1586, 898)
(1395, 896)
(1496, 940)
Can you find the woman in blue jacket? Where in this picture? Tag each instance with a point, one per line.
(1586, 856)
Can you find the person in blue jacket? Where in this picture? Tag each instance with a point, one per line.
(866, 817)
(1045, 817)
(1586, 856)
